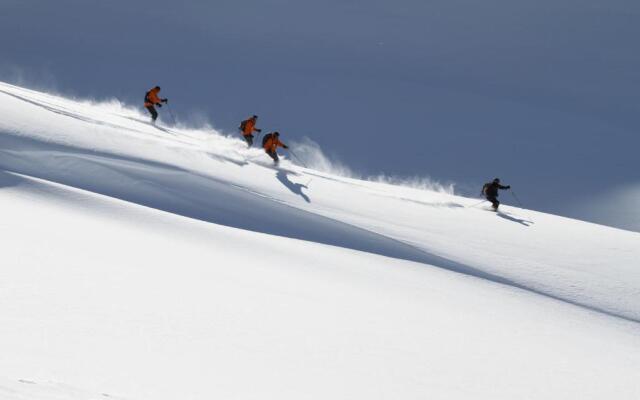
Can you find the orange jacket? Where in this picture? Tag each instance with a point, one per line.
(249, 127)
(272, 144)
(152, 98)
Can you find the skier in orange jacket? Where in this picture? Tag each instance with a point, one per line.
(151, 100)
(247, 127)
(270, 143)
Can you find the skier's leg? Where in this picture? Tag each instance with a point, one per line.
(494, 202)
(249, 139)
(274, 156)
(154, 113)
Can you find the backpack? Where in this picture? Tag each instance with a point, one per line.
(265, 138)
(243, 125)
(146, 97)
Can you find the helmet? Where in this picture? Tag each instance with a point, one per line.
(254, 117)
(157, 87)
(276, 133)
(497, 180)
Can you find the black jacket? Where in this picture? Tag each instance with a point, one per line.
(491, 189)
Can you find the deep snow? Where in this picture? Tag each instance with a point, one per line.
(155, 262)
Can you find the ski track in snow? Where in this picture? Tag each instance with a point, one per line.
(26, 389)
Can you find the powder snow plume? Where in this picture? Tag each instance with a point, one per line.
(314, 157)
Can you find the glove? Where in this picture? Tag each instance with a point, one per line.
(509, 187)
(258, 130)
(285, 146)
(165, 100)
(159, 105)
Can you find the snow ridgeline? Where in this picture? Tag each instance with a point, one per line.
(285, 279)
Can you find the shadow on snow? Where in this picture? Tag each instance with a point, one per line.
(194, 195)
(296, 188)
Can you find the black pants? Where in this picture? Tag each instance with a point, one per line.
(494, 202)
(154, 113)
(274, 156)
(249, 139)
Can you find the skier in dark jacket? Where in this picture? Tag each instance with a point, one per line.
(490, 192)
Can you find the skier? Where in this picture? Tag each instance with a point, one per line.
(490, 192)
(270, 143)
(247, 127)
(151, 100)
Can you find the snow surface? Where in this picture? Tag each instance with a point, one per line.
(161, 263)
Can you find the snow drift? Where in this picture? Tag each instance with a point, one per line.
(181, 258)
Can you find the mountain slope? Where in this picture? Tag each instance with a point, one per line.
(110, 150)
(173, 263)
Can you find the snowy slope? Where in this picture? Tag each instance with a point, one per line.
(159, 263)
(24, 389)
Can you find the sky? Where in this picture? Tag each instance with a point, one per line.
(542, 94)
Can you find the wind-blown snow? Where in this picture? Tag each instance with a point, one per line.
(156, 262)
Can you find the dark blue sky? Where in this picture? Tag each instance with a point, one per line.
(543, 94)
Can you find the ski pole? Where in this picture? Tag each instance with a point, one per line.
(296, 157)
(520, 204)
(477, 204)
(171, 114)
(310, 179)
(517, 199)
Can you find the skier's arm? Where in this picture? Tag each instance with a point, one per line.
(153, 98)
(504, 187)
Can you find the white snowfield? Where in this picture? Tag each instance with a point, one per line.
(143, 262)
